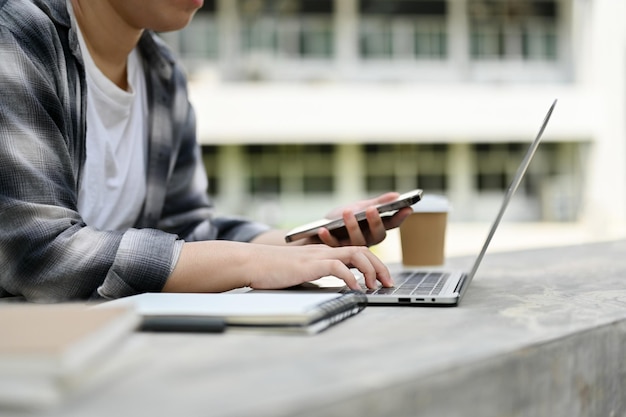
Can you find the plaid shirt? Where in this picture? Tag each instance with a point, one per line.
(47, 252)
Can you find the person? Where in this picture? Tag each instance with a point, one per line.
(102, 188)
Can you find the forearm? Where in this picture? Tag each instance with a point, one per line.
(271, 237)
(277, 237)
(210, 266)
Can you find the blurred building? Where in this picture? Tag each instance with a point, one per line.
(306, 104)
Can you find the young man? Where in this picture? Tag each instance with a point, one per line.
(102, 189)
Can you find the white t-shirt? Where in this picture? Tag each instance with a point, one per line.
(113, 186)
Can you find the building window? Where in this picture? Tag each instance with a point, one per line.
(496, 165)
(406, 166)
(403, 29)
(291, 29)
(290, 169)
(263, 162)
(513, 29)
(200, 39)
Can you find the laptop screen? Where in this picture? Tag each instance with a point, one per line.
(519, 175)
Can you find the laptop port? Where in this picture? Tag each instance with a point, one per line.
(419, 299)
(404, 300)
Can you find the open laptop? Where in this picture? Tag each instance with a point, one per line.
(438, 287)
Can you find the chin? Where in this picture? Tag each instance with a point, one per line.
(172, 25)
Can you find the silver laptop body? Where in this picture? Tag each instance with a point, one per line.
(438, 286)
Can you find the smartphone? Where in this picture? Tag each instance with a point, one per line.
(337, 227)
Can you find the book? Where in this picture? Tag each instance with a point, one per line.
(46, 351)
(260, 310)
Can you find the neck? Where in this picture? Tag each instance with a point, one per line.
(108, 37)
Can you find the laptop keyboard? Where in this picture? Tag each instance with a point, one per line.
(414, 283)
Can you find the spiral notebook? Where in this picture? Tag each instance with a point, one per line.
(261, 311)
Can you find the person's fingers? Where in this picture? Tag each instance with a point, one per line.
(285, 266)
(370, 266)
(356, 236)
(327, 238)
(363, 204)
(376, 232)
(338, 261)
(382, 273)
(360, 261)
(397, 218)
(340, 270)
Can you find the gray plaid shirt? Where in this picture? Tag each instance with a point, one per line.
(47, 252)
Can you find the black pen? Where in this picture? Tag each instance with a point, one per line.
(182, 324)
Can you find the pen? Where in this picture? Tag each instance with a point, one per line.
(182, 324)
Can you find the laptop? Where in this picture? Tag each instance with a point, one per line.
(439, 287)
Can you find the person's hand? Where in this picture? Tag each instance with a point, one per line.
(215, 266)
(299, 264)
(376, 228)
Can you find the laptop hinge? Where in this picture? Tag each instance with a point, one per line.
(459, 284)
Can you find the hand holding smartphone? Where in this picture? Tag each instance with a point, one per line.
(337, 227)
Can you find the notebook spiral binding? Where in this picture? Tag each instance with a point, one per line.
(341, 308)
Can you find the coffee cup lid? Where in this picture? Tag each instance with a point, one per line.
(432, 204)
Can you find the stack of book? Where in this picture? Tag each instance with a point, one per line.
(49, 351)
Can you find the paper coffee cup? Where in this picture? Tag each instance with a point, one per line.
(423, 233)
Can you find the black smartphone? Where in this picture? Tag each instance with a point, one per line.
(337, 226)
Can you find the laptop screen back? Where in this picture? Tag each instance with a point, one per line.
(517, 179)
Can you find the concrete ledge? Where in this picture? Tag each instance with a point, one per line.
(583, 375)
(539, 333)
